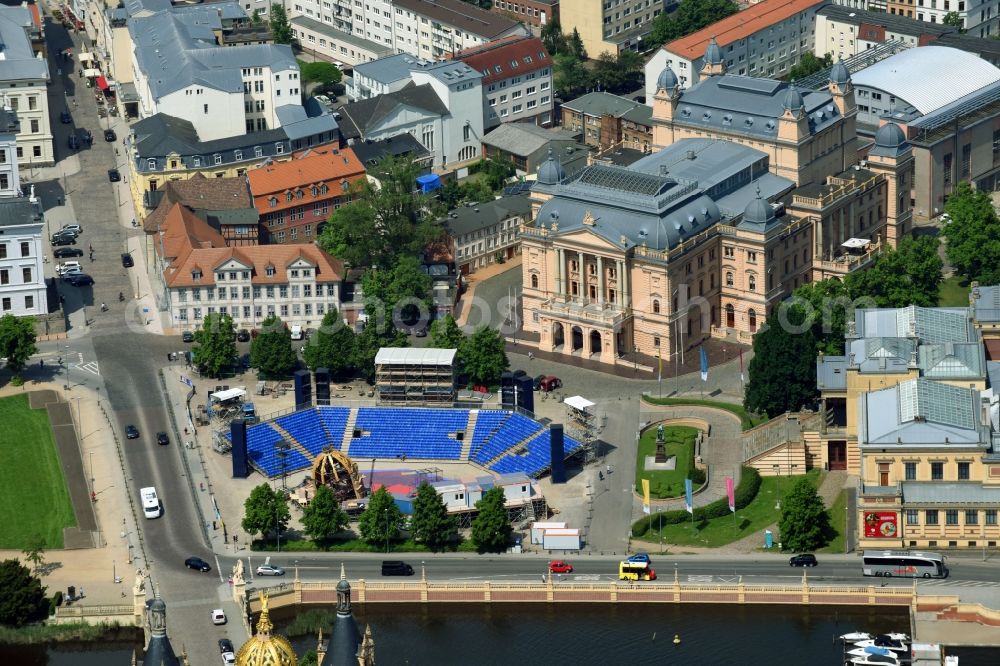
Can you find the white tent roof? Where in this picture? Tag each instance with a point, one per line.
(414, 356)
(578, 402)
(90, 73)
(229, 394)
(86, 57)
(856, 242)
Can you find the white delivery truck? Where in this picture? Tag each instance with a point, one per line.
(150, 502)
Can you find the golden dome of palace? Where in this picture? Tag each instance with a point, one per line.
(263, 648)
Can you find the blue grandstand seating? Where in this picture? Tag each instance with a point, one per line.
(512, 430)
(538, 457)
(335, 420)
(414, 432)
(261, 439)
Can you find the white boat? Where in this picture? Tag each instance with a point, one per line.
(884, 642)
(856, 636)
(872, 650)
(875, 660)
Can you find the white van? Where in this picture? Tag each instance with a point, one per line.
(150, 502)
(296, 332)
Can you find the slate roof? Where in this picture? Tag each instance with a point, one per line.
(370, 152)
(200, 192)
(494, 59)
(969, 493)
(464, 220)
(346, 37)
(19, 62)
(467, 18)
(598, 104)
(525, 139)
(17, 211)
(358, 117)
(986, 304)
(920, 412)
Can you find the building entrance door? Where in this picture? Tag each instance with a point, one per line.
(836, 454)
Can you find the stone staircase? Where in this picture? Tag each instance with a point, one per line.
(349, 431)
(291, 440)
(470, 430)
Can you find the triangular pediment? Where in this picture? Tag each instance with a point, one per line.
(591, 237)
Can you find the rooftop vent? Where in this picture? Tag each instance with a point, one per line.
(748, 122)
(691, 155)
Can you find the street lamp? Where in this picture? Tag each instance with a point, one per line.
(777, 473)
(635, 358)
(277, 530)
(386, 529)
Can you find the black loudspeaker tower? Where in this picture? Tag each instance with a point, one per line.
(558, 454)
(507, 389)
(322, 386)
(238, 431)
(525, 393)
(303, 389)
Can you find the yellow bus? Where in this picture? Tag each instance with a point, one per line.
(635, 571)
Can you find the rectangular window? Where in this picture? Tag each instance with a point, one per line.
(963, 471)
(26, 275)
(951, 517)
(971, 517)
(912, 517)
(937, 471)
(991, 516)
(29, 302)
(911, 471)
(25, 249)
(931, 517)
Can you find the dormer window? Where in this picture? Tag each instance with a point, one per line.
(345, 185)
(323, 188)
(197, 161)
(288, 196)
(269, 271)
(196, 274)
(298, 194)
(315, 191)
(218, 158)
(273, 201)
(258, 151)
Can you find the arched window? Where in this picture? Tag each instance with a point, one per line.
(534, 282)
(729, 278)
(656, 306)
(752, 316)
(752, 283)
(730, 316)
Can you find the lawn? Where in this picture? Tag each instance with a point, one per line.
(953, 292)
(837, 514)
(752, 519)
(746, 419)
(33, 494)
(666, 483)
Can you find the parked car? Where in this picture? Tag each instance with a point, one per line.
(114, 176)
(65, 118)
(218, 616)
(80, 280)
(162, 439)
(228, 658)
(640, 557)
(187, 336)
(396, 568)
(71, 273)
(127, 260)
(550, 383)
(560, 567)
(71, 228)
(802, 560)
(64, 252)
(243, 335)
(537, 382)
(63, 239)
(131, 432)
(66, 266)
(197, 564)
(109, 135)
(225, 645)
(270, 570)
(73, 141)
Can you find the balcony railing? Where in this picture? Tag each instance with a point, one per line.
(848, 263)
(609, 315)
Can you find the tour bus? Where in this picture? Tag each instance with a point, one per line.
(890, 563)
(150, 502)
(635, 571)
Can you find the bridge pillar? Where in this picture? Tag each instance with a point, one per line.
(805, 587)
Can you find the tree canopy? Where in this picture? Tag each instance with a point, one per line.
(690, 16)
(214, 345)
(271, 351)
(483, 355)
(400, 294)
(954, 19)
(445, 333)
(618, 73)
(34, 553)
(17, 341)
(909, 275)
(381, 520)
(23, 598)
(323, 518)
(809, 64)
(973, 234)
(491, 529)
(281, 29)
(374, 335)
(332, 347)
(782, 372)
(264, 509)
(319, 71)
(804, 524)
(552, 37)
(386, 220)
(431, 525)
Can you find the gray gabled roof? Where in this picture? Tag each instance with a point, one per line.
(465, 219)
(920, 412)
(601, 103)
(388, 69)
(357, 118)
(371, 152)
(971, 492)
(524, 139)
(18, 62)
(986, 304)
(930, 325)
(160, 135)
(950, 360)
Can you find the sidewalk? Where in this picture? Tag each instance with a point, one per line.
(462, 310)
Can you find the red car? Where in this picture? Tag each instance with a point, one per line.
(560, 567)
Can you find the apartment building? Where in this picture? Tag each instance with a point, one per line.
(325, 41)
(201, 275)
(766, 39)
(611, 25)
(10, 174)
(535, 13)
(607, 121)
(517, 80)
(434, 29)
(24, 79)
(294, 198)
(487, 233)
(22, 279)
(979, 17)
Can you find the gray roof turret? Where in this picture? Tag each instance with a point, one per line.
(667, 79)
(713, 54)
(793, 99)
(839, 74)
(551, 171)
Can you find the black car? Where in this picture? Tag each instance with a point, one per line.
(804, 560)
(127, 261)
(63, 239)
(131, 432)
(161, 438)
(74, 142)
(225, 645)
(114, 176)
(243, 335)
(79, 280)
(109, 135)
(65, 118)
(63, 252)
(197, 564)
(187, 336)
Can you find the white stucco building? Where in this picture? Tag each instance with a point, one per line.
(22, 280)
(24, 84)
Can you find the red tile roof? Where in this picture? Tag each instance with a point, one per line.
(188, 243)
(309, 168)
(200, 192)
(739, 26)
(528, 52)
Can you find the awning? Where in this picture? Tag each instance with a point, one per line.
(578, 402)
(91, 73)
(102, 83)
(223, 396)
(856, 243)
(86, 57)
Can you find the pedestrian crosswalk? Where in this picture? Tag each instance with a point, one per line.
(699, 579)
(947, 582)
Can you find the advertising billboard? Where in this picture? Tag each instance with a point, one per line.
(881, 524)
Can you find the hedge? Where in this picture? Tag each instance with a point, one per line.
(744, 494)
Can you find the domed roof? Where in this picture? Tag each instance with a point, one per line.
(157, 605)
(551, 171)
(263, 648)
(839, 73)
(889, 136)
(793, 99)
(667, 79)
(713, 54)
(758, 211)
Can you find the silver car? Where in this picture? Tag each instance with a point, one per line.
(270, 570)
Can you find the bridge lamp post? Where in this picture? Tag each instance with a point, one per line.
(386, 510)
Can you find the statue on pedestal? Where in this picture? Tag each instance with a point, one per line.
(661, 448)
(238, 573)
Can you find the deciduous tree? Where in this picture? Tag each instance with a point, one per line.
(973, 234)
(804, 523)
(491, 529)
(381, 520)
(35, 553)
(17, 341)
(571, 75)
(954, 19)
(809, 64)
(281, 29)
(431, 524)
(323, 518)
(483, 355)
(332, 347)
(782, 372)
(909, 275)
(373, 336)
(690, 16)
(264, 510)
(215, 345)
(271, 351)
(445, 333)
(401, 293)
(22, 599)
(319, 71)
(553, 38)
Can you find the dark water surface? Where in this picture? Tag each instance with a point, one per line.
(602, 634)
